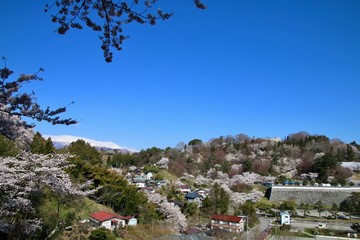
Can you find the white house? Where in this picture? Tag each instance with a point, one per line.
(194, 197)
(228, 222)
(149, 175)
(111, 221)
(184, 189)
(284, 218)
(202, 192)
(139, 182)
(107, 220)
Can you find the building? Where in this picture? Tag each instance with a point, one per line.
(111, 221)
(227, 222)
(149, 175)
(194, 197)
(202, 192)
(184, 189)
(139, 182)
(284, 218)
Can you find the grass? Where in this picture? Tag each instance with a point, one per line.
(356, 176)
(81, 207)
(288, 233)
(163, 174)
(70, 213)
(145, 232)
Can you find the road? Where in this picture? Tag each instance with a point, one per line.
(311, 224)
(259, 232)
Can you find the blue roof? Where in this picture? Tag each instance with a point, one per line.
(192, 195)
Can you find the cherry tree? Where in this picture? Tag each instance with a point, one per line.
(172, 213)
(22, 178)
(108, 17)
(15, 104)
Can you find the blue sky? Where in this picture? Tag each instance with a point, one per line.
(259, 67)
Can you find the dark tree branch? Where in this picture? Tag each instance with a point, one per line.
(13, 103)
(108, 17)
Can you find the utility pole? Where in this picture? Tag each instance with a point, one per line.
(247, 227)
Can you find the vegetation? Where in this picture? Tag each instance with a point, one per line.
(203, 164)
(351, 204)
(218, 200)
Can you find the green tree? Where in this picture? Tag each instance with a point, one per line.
(217, 201)
(121, 160)
(151, 168)
(289, 205)
(149, 214)
(101, 234)
(281, 179)
(351, 204)
(247, 165)
(350, 154)
(320, 207)
(264, 206)
(41, 146)
(334, 210)
(190, 209)
(7, 147)
(306, 209)
(85, 152)
(195, 142)
(324, 164)
(249, 210)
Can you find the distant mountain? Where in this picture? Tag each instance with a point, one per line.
(62, 141)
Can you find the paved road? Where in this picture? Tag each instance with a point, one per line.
(332, 225)
(258, 233)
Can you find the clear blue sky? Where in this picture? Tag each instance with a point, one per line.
(259, 67)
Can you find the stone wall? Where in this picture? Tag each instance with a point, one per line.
(310, 195)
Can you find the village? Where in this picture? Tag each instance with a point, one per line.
(297, 218)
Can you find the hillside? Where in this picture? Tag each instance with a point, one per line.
(297, 156)
(229, 171)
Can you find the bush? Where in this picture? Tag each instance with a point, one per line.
(101, 234)
(285, 227)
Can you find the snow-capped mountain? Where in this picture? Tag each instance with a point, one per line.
(61, 141)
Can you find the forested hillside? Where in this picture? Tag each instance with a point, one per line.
(292, 157)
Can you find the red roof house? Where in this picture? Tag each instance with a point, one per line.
(110, 220)
(227, 222)
(184, 189)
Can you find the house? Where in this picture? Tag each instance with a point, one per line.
(284, 218)
(227, 222)
(149, 175)
(162, 183)
(107, 220)
(194, 197)
(130, 221)
(184, 189)
(202, 192)
(139, 182)
(111, 221)
(148, 190)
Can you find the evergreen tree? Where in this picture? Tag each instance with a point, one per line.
(217, 201)
(41, 146)
(248, 209)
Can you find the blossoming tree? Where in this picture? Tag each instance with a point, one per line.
(21, 180)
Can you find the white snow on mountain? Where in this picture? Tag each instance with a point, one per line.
(65, 140)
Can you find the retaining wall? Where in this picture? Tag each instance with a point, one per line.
(310, 195)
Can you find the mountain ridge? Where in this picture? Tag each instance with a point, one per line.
(61, 141)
